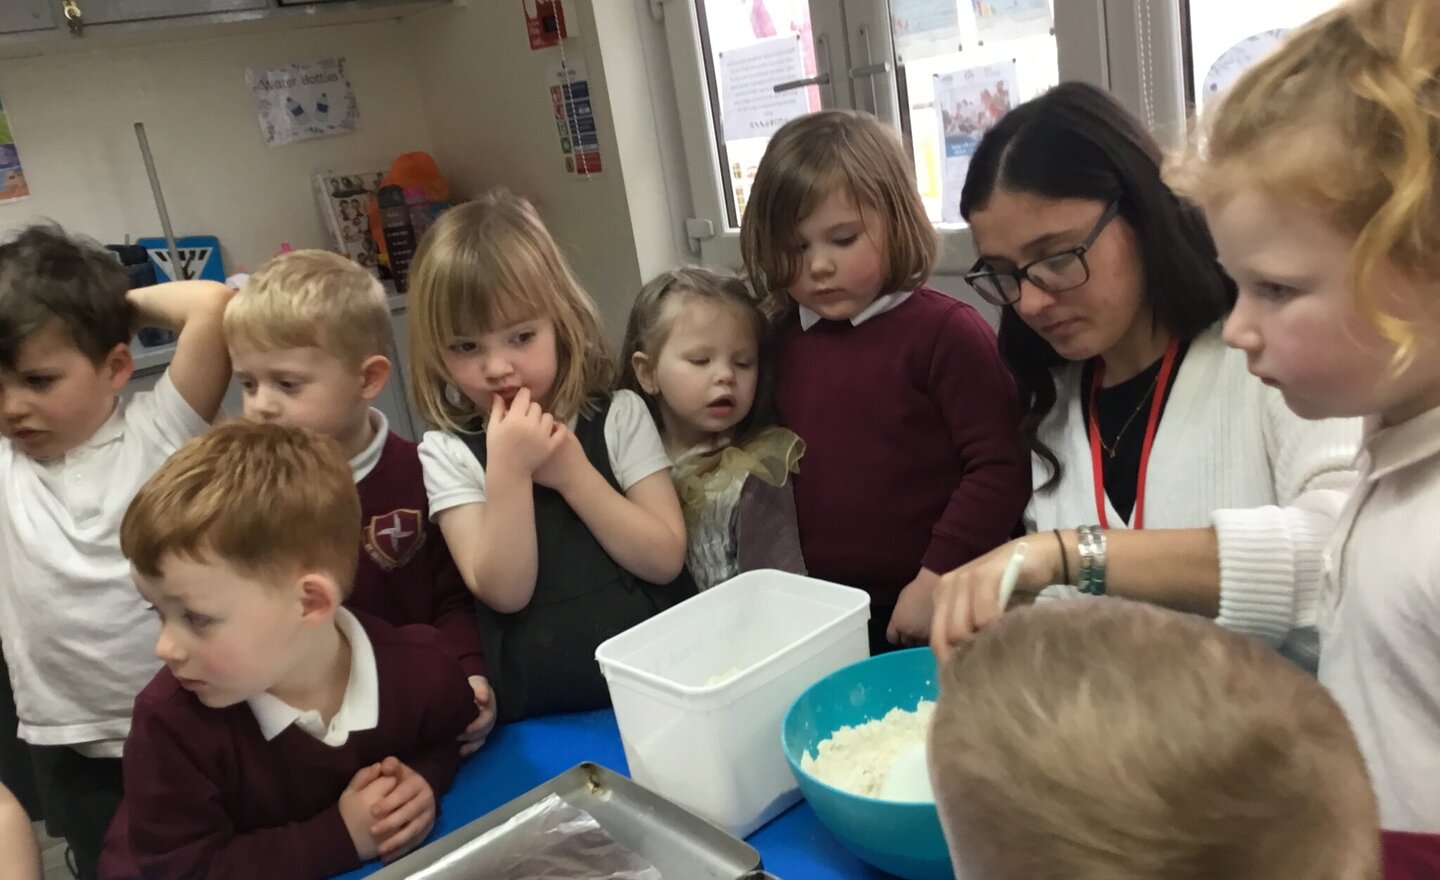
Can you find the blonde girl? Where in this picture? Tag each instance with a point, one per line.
(1319, 176)
(695, 350)
(553, 494)
(913, 463)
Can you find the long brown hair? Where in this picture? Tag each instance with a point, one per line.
(490, 264)
(807, 160)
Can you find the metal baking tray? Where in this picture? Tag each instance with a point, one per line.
(678, 843)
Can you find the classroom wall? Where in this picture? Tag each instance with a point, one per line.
(486, 94)
(73, 117)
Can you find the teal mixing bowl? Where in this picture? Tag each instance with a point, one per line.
(901, 838)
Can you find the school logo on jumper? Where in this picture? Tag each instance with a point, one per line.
(393, 538)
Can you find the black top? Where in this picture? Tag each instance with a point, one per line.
(541, 659)
(1117, 404)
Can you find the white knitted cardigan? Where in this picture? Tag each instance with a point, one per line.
(1228, 453)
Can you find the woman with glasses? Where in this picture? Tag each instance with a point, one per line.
(1162, 470)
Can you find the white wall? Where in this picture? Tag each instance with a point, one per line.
(487, 100)
(73, 117)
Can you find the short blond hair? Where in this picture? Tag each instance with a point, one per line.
(263, 498)
(1345, 119)
(305, 299)
(809, 159)
(1112, 740)
(491, 264)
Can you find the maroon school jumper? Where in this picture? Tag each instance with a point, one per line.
(406, 573)
(912, 442)
(1411, 856)
(207, 796)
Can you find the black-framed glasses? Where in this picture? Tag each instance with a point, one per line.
(1053, 274)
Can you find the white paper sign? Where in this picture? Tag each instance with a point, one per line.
(1010, 19)
(924, 28)
(968, 103)
(749, 104)
(298, 102)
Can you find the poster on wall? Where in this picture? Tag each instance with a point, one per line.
(344, 200)
(574, 116)
(924, 28)
(301, 101)
(12, 176)
(1011, 19)
(968, 103)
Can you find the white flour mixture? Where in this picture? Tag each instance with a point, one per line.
(858, 759)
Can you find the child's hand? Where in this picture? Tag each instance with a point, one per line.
(521, 436)
(474, 736)
(406, 815)
(367, 788)
(914, 611)
(564, 465)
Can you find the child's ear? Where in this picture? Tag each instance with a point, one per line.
(118, 366)
(319, 597)
(644, 372)
(374, 373)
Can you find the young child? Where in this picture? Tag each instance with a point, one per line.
(1321, 180)
(554, 495)
(309, 337)
(695, 349)
(913, 463)
(76, 638)
(1143, 743)
(286, 736)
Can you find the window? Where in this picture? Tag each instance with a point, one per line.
(961, 69)
(941, 71)
(1224, 37)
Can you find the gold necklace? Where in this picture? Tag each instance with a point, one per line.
(1113, 446)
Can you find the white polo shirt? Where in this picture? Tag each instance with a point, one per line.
(359, 708)
(78, 638)
(1380, 619)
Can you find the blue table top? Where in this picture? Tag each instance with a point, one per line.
(518, 757)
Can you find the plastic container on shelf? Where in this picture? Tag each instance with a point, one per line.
(701, 690)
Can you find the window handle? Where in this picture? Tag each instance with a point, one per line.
(819, 79)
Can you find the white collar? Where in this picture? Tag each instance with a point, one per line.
(1399, 446)
(110, 430)
(365, 460)
(881, 305)
(359, 709)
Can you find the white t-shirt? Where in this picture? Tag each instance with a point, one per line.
(79, 640)
(454, 476)
(1380, 619)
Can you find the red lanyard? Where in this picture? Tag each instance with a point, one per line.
(1162, 382)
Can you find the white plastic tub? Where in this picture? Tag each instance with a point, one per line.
(701, 690)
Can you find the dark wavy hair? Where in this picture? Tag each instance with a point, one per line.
(1077, 142)
(48, 276)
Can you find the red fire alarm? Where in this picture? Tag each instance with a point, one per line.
(545, 22)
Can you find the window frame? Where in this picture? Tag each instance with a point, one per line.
(1132, 48)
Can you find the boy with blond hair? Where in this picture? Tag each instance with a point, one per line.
(286, 737)
(310, 340)
(72, 453)
(1114, 740)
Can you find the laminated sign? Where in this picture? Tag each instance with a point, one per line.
(298, 102)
